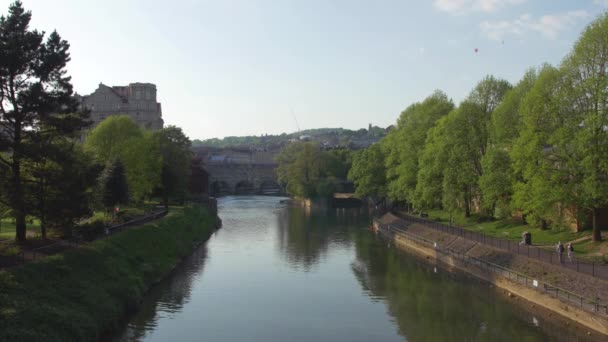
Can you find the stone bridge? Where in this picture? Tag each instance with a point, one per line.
(241, 172)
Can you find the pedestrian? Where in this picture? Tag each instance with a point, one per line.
(560, 250)
(570, 249)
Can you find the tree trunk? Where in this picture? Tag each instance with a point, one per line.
(43, 228)
(18, 202)
(597, 234)
(543, 224)
(20, 227)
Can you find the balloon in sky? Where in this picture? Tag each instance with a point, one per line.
(476, 50)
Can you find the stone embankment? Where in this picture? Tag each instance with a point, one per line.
(575, 296)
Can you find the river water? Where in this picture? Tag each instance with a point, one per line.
(283, 273)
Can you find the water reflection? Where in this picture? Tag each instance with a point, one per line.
(282, 273)
(167, 298)
(305, 234)
(429, 304)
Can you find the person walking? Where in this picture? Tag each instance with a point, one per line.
(570, 249)
(560, 251)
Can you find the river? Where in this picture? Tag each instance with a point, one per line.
(284, 273)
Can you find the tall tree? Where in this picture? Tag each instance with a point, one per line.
(119, 137)
(174, 147)
(368, 172)
(113, 185)
(412, 127)
(497, 178)
(539, 183)
(35, 98)
(584, 133)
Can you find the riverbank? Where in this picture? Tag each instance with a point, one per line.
(79, 294)
(521, 277)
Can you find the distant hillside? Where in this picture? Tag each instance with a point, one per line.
(330, 137)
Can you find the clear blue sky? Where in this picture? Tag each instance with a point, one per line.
(236, 67)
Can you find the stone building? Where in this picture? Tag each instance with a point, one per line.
(137, 100)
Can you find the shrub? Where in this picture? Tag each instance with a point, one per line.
(91, 230)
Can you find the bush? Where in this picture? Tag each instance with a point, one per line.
(91, 230)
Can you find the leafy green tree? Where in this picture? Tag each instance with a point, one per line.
(300, 169)
(174, 147)
(368, 172)
(540, 184)
(410, 135)
(63, 187)
(118, 137)
(433, 161)
(582, 140)
(497, 178)
(143, 163)
(36, 96)
(110, 137)
(113, 184)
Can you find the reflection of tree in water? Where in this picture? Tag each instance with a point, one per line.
(437, 307)
(305, 235)
(167, 297)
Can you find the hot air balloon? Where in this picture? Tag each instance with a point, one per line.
(476, 50)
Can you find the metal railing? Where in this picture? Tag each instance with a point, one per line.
(593, 269)
(61, 245)
(587, 304)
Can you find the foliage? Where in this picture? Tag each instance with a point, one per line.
(37, 100)
(83, 292)
(308, 171)
(174, 147)
(409, 138)
(62, 187)
(196, 181)
(91, 230)
(368, 172)
(110, 137)
(118, 137)
(113, 185)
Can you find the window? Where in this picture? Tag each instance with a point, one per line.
(138, 94)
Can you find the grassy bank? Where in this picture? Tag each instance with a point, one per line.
(507, 228)
(77, 295)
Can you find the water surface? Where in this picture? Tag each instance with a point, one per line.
(281, 273)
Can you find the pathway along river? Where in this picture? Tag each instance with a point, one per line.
(284, 273)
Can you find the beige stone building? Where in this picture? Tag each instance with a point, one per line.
(137, 100)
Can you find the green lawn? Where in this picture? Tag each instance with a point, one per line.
(7, 228)
(78, 294)
(507, 229)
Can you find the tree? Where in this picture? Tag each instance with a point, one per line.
(540, 183)
(584, 132)
(113, 185)
(199, 178)
(63, 187)
(110, 137)
(412, 127)
(300, 169)
(497, 178)
(119, 137)
(35, 97)
(143, 163)
(174, 147)
(368, 172)
(433, 162)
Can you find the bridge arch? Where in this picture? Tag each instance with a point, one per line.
(244, 187)
(270, 187)
(220, 188)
